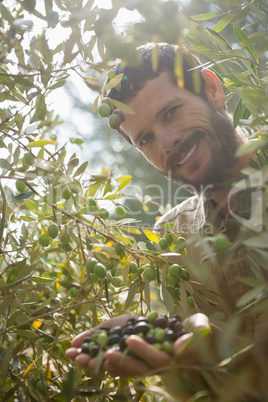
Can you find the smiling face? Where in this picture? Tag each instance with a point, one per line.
(185, 137)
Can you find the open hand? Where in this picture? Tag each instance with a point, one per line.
(148, 360)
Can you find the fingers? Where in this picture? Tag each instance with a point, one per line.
(117, 364)
(197, 323)
(182, 344)
(197, 345)
(84, 360)
(153, 357)
(78, 340)
(71, 353)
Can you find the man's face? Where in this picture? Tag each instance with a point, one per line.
(180, 133)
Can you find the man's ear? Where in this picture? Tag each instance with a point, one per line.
(213, 89)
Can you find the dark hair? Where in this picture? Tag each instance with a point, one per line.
(168, 57)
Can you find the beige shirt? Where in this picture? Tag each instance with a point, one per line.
(196, 219)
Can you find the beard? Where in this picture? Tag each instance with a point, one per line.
(223, 141)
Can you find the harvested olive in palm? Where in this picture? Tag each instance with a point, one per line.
(84, 348)
(94, 350)
(160, 321)
(122, 343)
(170, 335)
(115, 330)
(131, 320)
(114, 339)
(141, 327)
(159, 331)
(167, 346)
(128, 330)
(149, 338)
(105, 328)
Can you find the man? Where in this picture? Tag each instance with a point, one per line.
(181, 126)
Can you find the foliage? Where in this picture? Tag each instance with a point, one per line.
(48, 290)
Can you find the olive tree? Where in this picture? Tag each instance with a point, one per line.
(71, 254)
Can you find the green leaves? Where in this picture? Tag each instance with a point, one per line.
(243, 39)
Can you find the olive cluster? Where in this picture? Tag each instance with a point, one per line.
(116, 117)
(159, 331)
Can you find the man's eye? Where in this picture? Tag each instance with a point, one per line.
(171, 112)
(145, 139)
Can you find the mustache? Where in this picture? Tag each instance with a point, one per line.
(184, 146)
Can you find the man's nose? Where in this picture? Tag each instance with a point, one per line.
(168, 142)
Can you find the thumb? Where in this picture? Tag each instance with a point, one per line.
(198, 324)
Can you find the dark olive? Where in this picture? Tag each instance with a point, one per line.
(177, 326)
(179, 333)
(170, 335)
(160, 321)
(122, 343)
(141, 319)
(87, 339)
(94, 350)
(128, 330)
(113, 339)
(131, 320)
(141, 327)
(84, 348)
(149, 338)
(105, 328)
(115, 330)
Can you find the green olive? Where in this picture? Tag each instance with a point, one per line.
(53, 231)
(185, 274)
(175, 270)
(171, 280)
(120, 211)
(149, 273)
(102, 338)
(152, 316)
(104, 110)
(167, 347)
(163, 243)
(90, 263)
(181, 243)
(133, 269)
(20, 186)
(169, 238)
(121, 114)
(115, 121)
(159, 334)
(44, 240)
(99, 270)
(221, 243)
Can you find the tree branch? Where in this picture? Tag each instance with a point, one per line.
(3, 218)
